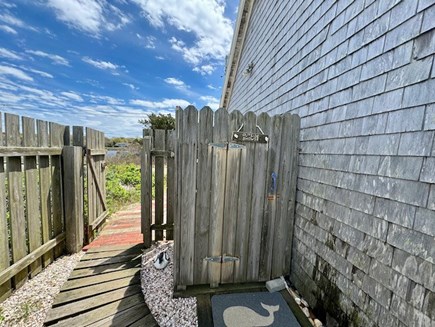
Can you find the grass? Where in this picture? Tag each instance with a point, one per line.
(2, 317)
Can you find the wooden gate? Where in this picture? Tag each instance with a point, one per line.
(157, 177)
(96, 180)
(235, 196)
(92, 178)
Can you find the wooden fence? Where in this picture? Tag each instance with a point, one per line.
(157, 160)
(41, 209)
(234, 186)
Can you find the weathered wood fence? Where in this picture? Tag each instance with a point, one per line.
(157, 160)
(42, 207)
(232, 191)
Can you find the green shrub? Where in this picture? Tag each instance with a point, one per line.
(122, 185)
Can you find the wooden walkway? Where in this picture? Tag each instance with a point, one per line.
(104, 289)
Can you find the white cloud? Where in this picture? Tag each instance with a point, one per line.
(9, 54)
(14, 21)
(204, 19)
(72, 95)
(17, 73)
(38, 72)
(8, 5)
(150, 42)
(210, 101)
(164, 104)
(178, 84)
(90, 16)
(105, 99)
(204, 69)
(100, 64)
(8, 29)
(11, 20)
(211, 87)
(174, 81)
(56, 59)
(131, 86)
(160, 58)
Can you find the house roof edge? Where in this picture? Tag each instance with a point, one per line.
(244, 14)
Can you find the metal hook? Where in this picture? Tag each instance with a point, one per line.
(259, 128)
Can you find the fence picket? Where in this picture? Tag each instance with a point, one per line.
(231, 194)
(32, 193)
(234, 153)
(177, 205)
(56, 140)
(218, 153)
(78, 139)
(268, 226)
(159, 144)
(45, 190)
(5, 289)
(244, 205)
(257, 201)
(16, 198)
(188, 193)
(294, 153)
(92, 193)
(221, 126)
(146, 192)
(170, 183)
(282, 221)
(202, 210)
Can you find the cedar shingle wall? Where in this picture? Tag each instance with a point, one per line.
(361, 75)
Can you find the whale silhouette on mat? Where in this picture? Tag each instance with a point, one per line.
(239, 316)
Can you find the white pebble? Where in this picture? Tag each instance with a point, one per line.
(157, 286)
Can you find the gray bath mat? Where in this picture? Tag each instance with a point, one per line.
(251, 309)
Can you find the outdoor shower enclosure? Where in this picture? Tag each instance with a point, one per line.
(232, 193)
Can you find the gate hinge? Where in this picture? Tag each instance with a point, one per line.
(221, 259)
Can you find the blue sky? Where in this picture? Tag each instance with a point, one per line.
(105, 64)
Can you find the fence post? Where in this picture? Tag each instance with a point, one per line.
(73, 197)
(146, 191)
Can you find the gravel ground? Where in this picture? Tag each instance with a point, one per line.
(157, 286)
(29, 305)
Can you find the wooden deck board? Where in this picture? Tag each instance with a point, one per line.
(92, 280)
(104, 269)
(81, 293)
(100, 313)
(108, 248)
(110, 254)
(124, 318)
(103, 290)
(107, 261)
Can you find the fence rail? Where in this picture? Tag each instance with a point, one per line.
(33, 229)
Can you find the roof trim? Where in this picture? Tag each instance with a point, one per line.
(245, 10)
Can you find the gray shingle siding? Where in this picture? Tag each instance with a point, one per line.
(361, 75)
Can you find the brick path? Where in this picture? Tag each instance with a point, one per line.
(122, 228)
